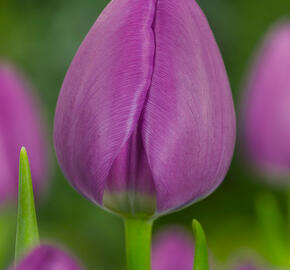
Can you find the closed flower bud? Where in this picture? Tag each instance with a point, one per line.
(47, 257)
(20, 124)
(145, 121)
(266, 110)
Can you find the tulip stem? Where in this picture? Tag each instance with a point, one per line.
(138, 244)
(288, 215)
(271, 225)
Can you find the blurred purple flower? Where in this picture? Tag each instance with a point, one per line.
(47, 257)
(20, 124)
(246, 266)
(266, 110)
(145, 122)
(251, 262)
(173, 249)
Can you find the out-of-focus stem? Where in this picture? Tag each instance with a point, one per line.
(271, 226)
(138, 244)
(288, 219)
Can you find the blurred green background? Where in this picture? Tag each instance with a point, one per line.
(41, 38)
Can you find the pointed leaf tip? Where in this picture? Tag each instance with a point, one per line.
(27, 230)
(200, 254)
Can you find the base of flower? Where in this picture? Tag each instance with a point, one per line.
(130, 204)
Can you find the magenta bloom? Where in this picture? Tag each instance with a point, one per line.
(267, 104)
(145, 121)
(173, 249)
(246, 266)
(20, 124)
(46, 257)
(247, 263)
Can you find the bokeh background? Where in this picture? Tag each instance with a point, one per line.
(41, 38)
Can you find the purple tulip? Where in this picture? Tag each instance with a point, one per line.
(248, 263)
(20, 124)
(246, 266)
(145, 122)
(173, 249)
(47, 257)
(267, 105)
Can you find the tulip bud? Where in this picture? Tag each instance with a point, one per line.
(47, 257)
(20, 124)
(145, 121)
(173, 249)
(266, 110)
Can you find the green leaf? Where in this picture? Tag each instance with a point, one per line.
(27, 230)
(271, 225)
(200, 254)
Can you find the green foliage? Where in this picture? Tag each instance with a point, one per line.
(27, 230)
(200, 252)
(272, 229)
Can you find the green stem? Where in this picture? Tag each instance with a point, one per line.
(138, 244)
(271, 225)
(288, 218)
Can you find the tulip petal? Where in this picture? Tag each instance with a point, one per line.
(6, 187)
(188, 123)
(46, 257)
(20, 124)
(173, 249)
(129, 186)
(267, 108)
(103, 94)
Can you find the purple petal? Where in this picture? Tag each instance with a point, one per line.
(248, 262)
(20, 125)
(173, 249)
(246, 266)
(189, 121)
(6, 187)
(47, 257)
(102, 98)
(145, 114)
(267, 106)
